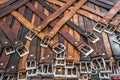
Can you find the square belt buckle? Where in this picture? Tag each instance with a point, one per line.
(32, 72)
(30, 35)
(9, 49)
(104, 76)
(87, 67)
(85, 49)
(98, 63)
(21, 49)
(72, 72)
(110, 29)
(93, 38)
(45, 41)
(117, 39)
(30, 64)
(60, 56)
(22, 76)
(58, 48)
(59, 72)
(98, 27)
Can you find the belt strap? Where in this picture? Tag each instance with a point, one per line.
(71, 24)
(50, 18)
(12, 7)
(6, 3)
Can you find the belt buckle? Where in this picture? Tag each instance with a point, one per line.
(110, 29)
(85, 49)
(21, 49)
(30, 64)
(31, 34)
(59, 72)
(87, 66)
(117, 39)
(98, 27)
(60, 56)
(93, 38)
(22, 76)
(104, 75)
(45, 41)
(69, 63)
(60, 62)
(9, 50)
(58, 48)
(98, 63)
(32, 72)
(72, 72)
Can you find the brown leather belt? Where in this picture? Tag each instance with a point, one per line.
(106, 19)
(46, 39)
(30, 35)
(8, 9)
(67, 36)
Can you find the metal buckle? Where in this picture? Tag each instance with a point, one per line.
(72, 73)
(69, 63)
(98, 27)
(85, 49)
(60, 56)
(45, 69)
(59, 72)
(110, 29)
(45, 41)
(30, 35)
(104, 75)
(108, 68)
(22, 76)
(32, 72)
(58, 48)
(93, 38)
(87, 67)
(30, 64)
(21, 49)
(60, 62)
(9, 50)
(98, 63)
(117, 39)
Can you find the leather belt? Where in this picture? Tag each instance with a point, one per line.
(90, 36)
(31, 64)
(70, 39)
(12, 7)
(30, 35)
(106, 19)
(46, 39)
(7, 3)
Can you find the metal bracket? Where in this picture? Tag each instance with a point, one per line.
(110, 29)
(31, 64)
(59, 48)
(85, 49)
(31, 34)
(93, 38)
(45, 41)
(98, 27)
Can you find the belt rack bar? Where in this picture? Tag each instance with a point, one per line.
(71, 24)
(31, 34)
